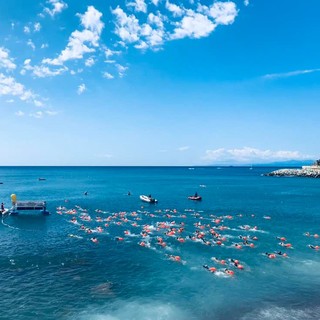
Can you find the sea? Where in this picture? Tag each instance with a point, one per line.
(247, 250)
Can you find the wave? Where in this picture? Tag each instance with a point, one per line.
(281, 313)
(136, 310)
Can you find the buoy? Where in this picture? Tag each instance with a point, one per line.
(13, 199)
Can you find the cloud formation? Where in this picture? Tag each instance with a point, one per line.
(5, 61)
(248, 155)
(289, 74)
(179, 22)
(10, 87)
(81, 89)
(56, 7)
(81, 42)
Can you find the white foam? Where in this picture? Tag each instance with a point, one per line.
(137, 311)
(280, 313)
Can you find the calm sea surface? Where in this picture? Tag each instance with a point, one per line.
(148, 260)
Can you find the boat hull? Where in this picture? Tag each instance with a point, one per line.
(148, 199)
(198, 198)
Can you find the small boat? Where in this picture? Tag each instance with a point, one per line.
(148, 199)
(195, 198)
(41, 179)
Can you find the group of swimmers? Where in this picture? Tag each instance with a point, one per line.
(168, 230)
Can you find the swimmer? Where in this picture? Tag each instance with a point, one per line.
(287, 245)
(313, 247)
(229, 272)
(270, 255)
(210, 269)
(283, 254)
(174, 258)
(237, 264)
(180, 239)
(95, 240)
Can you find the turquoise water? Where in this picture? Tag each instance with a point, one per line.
(51, 269)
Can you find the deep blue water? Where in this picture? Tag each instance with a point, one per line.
(50, 269)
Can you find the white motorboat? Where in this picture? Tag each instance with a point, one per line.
(148, 199)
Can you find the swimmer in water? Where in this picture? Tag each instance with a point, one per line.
(174, 258)
(280, 253)
(270, 255)
(313, 247)
(229, 272)
(210, 269)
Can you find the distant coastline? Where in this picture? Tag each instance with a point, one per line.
(312, 171)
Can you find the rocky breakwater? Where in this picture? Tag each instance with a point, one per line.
(304, 172)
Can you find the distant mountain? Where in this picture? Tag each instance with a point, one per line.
(290, 163)
(287, 164)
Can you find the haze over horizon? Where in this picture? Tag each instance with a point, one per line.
(156, 82)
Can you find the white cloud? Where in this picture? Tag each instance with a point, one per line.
(37, 114)
(194, 25)
(223, 12)
(5, 61)
(51, 113)
(174, 9)
(184, 148)
(156, 20)
(129, 30)
(91, 20)
(81, 89)
(81, 42)
(26, 30)
(41, 114)
(31, 44)
(121, 70)
(108, 75)
(76, 47)
(139, 5)
(249, 155)
(89, 62)
(41, 71)
(155, 2)
(127, 26)
(289, 74)
(10, 87)
(246, 2)
(19, 113)
(44, 46)
(109, 53)
(57, 6)
(38, 103)
(37, 27)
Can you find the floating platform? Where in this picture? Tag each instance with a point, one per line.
(29, 206)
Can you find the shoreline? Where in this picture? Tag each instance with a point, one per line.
(303, 173)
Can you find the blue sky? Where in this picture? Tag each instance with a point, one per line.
(156, 82)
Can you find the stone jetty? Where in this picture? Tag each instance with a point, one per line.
(306, 171)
